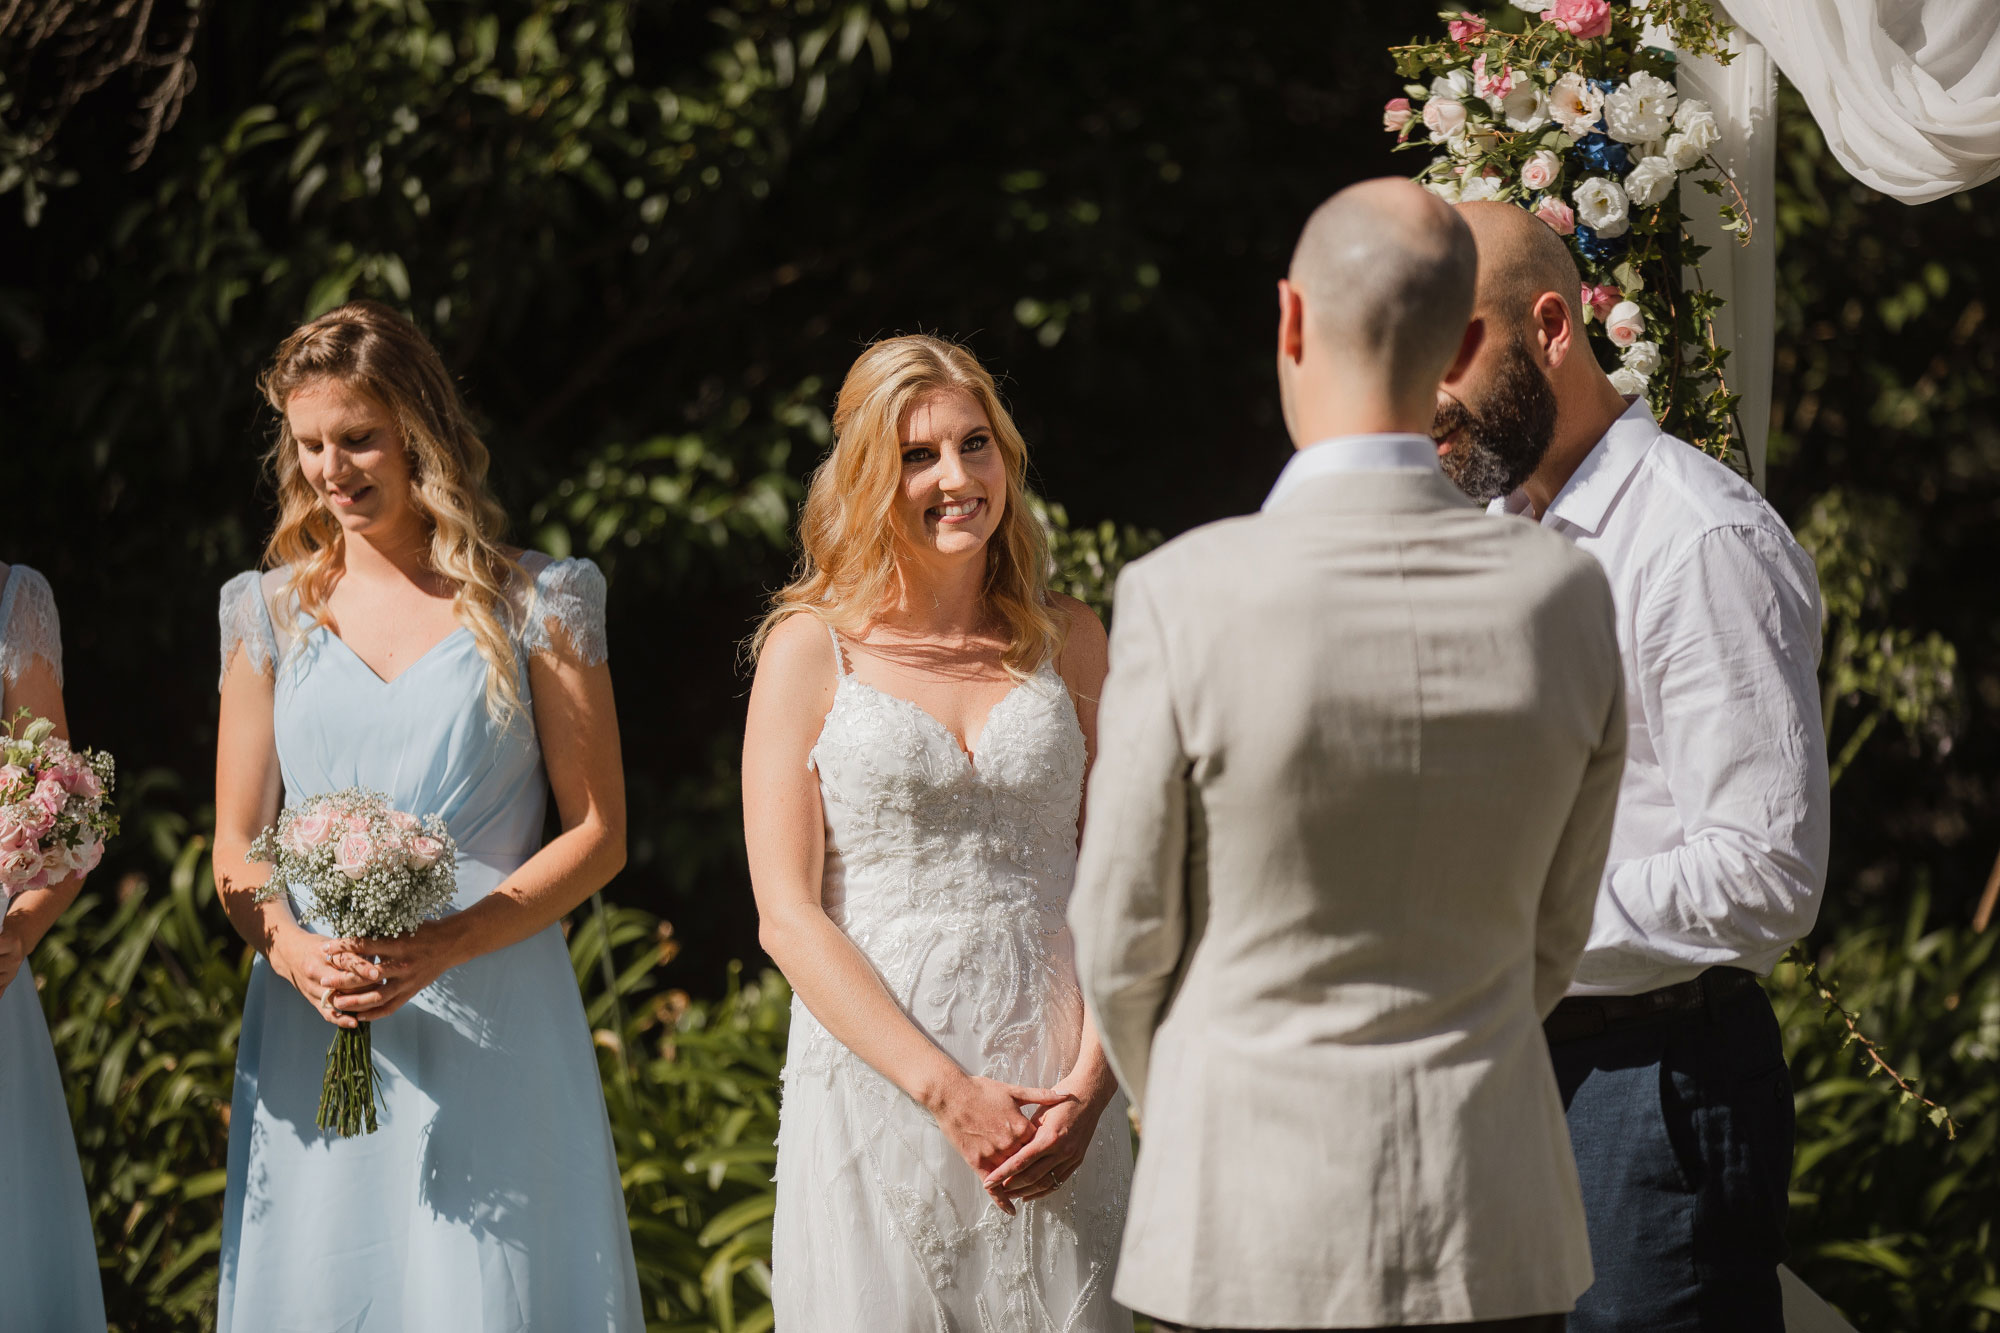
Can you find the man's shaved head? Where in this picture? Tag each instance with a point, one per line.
(1520, 258)
(1387, 273)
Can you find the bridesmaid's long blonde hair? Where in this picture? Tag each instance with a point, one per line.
(369, 347)
(849, 545)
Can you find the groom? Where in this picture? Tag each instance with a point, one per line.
(1358, 756)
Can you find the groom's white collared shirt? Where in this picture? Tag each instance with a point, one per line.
(1719, 853)
(1354, 453)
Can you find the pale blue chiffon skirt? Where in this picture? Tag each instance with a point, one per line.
(488, 1201)
(49, 1280)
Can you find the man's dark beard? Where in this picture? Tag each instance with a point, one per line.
(1500, 446)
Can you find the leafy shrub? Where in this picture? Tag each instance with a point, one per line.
(1893, 1221)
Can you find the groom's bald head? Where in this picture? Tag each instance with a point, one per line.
(1387, 273)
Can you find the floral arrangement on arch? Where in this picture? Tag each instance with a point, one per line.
(1569, 109)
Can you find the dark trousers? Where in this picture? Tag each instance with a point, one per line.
(1540, 1323)
(1682, 1126)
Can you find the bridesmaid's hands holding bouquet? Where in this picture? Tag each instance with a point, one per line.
(393, 971)
(299, 956)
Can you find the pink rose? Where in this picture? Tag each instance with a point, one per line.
(1444, 117)
(92, 854)
(18, 825)
(1626, 324)
(1557, 214)
(310, 830)
(425, 851)
(1540, 171)
(79, 779)
(1580, 18)
(1493, 90)
(357, 824)
(10, 774)
(404, 822)
(351, 858)
(1396, 114)
(18, 865)
(1466, 29)
(1598, 300)
(51, 795)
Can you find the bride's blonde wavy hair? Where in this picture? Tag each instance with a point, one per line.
(849, 543)
(368, 347)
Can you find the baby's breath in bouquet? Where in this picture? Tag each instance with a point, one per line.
(1568, 108)
(54, 807)
(366, 871)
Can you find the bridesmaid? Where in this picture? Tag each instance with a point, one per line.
(48, 1260)
(394, 644)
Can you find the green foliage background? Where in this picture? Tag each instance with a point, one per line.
(650, 236)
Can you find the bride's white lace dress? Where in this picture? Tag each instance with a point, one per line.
(951, 874)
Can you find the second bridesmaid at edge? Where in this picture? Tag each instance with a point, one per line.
(395, 644)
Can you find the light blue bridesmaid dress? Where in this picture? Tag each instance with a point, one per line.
(49, 1280)
(488, 1200)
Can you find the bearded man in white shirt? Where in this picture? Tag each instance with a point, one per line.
(1667, 1052)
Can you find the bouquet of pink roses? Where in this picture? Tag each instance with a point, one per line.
(365, 871)
(53, 806)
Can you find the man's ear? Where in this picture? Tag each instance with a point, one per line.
(1291, 322)
(1468, 351)
(1555, 331)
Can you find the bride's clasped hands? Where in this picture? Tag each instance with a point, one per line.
(1061, 1136)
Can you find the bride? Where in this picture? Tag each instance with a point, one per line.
(953, 1151)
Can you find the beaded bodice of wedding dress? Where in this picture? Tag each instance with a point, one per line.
(951, 873)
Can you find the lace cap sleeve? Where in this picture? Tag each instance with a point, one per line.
(568, 597)
(246, 622)
(29, 626)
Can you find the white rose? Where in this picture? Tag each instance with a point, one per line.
(1681, 155)
(1540, 171)
(1444, 117)
(1574, 104)
(1649, 182)
(1628, 382)
(1642, 357)
(1641, 110)
(1525, 109)
(1697, 126)
(1534, 7)
(1626, 324)
(1601, 206)
(1446, 190)
(1477, 188)
(1456, 85)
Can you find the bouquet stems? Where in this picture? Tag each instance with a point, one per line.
(347, 1096)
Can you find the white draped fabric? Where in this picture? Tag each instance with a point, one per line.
(1907, 92)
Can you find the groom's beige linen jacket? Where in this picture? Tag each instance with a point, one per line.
(1357, 761)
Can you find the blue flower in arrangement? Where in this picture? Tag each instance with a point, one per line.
(1606, 250)
(1604, 154)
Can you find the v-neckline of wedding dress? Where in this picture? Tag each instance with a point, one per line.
(969, 753)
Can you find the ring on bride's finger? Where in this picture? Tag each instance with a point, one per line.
(325, 997)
